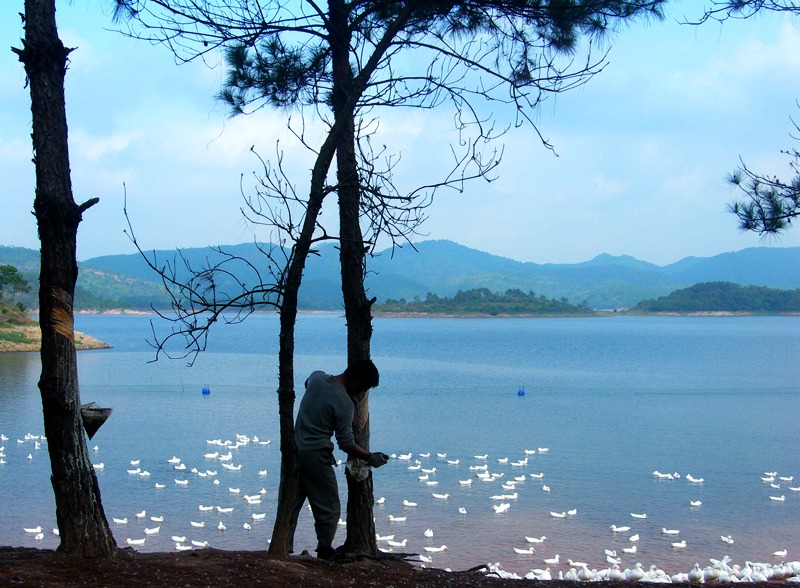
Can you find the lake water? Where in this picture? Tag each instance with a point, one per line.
(611, 399)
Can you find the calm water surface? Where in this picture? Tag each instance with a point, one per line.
(611, 399)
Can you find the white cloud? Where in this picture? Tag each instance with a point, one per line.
(774, 58)
(643, 148)
(87, 147)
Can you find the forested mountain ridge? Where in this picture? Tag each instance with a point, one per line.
(439, 267)
(96, 289)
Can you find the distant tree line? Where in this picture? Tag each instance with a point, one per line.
(12, 284)
(724, 297)
(484, 301)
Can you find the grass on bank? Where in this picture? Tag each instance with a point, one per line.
(11, 318)
(14, 337)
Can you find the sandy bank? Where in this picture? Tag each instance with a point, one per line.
(32, 339)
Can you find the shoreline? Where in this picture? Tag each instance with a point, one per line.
(115, 311)
(31, 566)
(32, 336)
(597, 314)
(380, 314)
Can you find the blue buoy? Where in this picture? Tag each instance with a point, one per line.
(206, 391)
(521, 392)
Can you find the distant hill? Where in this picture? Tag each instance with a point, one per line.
(775, 267)
(439, 267)
(605, 282)
(724, 297)
(95, 289)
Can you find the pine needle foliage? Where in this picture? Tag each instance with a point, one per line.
(280, 53)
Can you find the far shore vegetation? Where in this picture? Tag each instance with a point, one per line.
(724, 297)
(703, 298)
(482, 301)
(710, 297)
(14, 322)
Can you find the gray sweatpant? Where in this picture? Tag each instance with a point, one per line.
(318, 483)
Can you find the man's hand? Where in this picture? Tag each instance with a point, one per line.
(376, 459)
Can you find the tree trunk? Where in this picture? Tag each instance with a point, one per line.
(340, 142)
(82, 524)
(279, 546)
(360, 500)
(360, 523)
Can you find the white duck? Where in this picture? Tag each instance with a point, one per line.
(135, 541)
(616, 529)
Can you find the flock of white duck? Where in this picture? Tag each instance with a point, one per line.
(221, 457)
(554, 567)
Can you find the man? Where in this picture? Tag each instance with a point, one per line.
(326, 410)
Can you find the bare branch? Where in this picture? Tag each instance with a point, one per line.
(228, 288)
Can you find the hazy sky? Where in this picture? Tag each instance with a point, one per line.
(642, 150)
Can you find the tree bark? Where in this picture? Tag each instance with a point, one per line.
(360, 523)
(279, 546)
(360, 499)
(82, 524)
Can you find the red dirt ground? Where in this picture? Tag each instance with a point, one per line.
(211, 567)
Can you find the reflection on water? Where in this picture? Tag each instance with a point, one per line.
(613, 400)
(19, 393)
